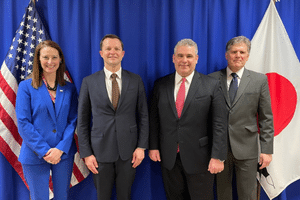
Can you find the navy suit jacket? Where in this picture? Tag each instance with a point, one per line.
(201, 129)
(108, 134)
(43, 126)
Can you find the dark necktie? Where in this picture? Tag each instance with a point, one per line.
(115, 95)
(233, 87)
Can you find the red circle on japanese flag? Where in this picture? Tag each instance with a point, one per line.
(283, 100)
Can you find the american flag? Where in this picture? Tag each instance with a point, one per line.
(15, 68)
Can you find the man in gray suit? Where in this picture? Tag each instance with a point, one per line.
(188, 122)
(113, 125)
(248, 102)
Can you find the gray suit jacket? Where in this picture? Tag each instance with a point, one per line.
(107, 133)
(251, 106)
(201, 129)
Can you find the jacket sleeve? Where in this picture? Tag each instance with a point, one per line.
(143, 117)
(265, 119)
(219, 116)
(154, 120)
(26, 129)
(84, 121)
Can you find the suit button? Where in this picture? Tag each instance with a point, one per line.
(54, 131)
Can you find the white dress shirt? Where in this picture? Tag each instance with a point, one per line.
(178, 80)
(108, 81)
(229, 77)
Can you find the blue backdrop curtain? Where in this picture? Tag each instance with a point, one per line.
(149, 29)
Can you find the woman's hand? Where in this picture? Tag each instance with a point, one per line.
(53, 156)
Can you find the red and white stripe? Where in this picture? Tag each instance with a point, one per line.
(11, 141)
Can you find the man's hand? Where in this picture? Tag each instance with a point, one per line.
(91, 163)
(215, 166)
(137, 157)
(53, 156)
(154, 155)
(264, 160)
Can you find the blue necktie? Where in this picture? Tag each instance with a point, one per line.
(233, 87)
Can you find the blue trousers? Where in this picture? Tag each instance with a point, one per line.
(37, 178)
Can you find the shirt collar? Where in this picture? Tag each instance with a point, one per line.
(188, 78)
(239, 73)
(109, 73)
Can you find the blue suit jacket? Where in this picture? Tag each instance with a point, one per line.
(113, 134)
(43, 126)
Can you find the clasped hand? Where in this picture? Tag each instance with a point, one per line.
(53, 156)
(215, 166)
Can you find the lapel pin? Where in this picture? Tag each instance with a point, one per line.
(61, 90)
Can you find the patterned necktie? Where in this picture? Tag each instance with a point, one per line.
(115, 95)
(180, 97)
(233, 87)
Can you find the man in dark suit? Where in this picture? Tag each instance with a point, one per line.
(113, 125)
(188, 127)
(248, 102)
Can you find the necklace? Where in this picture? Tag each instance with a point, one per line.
(52, 88)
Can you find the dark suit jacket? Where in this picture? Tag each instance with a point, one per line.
(43, 126)
(107, 133)
(252, 100)
(201, 130)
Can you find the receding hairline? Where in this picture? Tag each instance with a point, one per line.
(188, 43)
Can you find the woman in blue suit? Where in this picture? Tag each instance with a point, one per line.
(46, 109)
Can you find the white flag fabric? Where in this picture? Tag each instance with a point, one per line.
(272, 53)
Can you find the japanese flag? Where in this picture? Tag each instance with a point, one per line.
(272, 53)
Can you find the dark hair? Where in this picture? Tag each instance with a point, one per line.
(112, 36)
(238, 40)
(37, 71)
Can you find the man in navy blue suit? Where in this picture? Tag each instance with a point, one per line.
(113, 100)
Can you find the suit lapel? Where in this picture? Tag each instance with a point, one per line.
(170, 92)
(223, 80)
(192, 91)
(47, 100)
(125, 83)
(102, 88)
(242, 86)
(60, 94)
